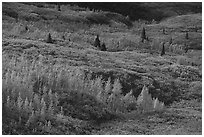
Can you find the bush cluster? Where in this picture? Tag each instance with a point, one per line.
(35, 94)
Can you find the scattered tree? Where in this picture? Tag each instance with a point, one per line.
(49, 39)
(103, 47)
(186, 35)
(143, 35)
(147, 38)
(144, 100)
(186, 48)
(163, 49)
(26, 28)
(158, 106)
(97, 42)
(58, 7)
(63, 37)
(146, 103)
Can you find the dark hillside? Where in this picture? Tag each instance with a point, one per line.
(138, 10)
(147, 10)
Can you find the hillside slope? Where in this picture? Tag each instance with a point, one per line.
(68, 75)
(147, 10)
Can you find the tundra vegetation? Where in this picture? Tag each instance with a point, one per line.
(69, 69)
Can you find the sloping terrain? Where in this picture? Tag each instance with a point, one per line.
(146, 10)
(175, 78)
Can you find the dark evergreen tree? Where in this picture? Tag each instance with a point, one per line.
(97, 42)
(58, 7)
(163, 49)
(63, 37)
(186, 48)
(186, 35)
(103, 47)
(49, 39)
(26, 28)
(147, 38)
(143, 35)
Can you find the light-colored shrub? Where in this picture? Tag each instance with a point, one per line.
(158, 106)
(145, 101)
(147, 104)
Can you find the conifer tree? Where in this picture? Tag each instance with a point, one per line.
(163, 49)
(63, 37)
(26, 28)
(116, 97)
(8, 102)
(19, 102)
(186, 48)
(108, 86)
(97, 42)
(186, 35)
(103, 47)
(58, 7)
(143, 34)
(31, 119)
(49, 39)
(26, 105)
(158, 106)
(144, 100)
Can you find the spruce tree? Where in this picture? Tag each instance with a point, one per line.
(26, 28)
(63, 37)
(49, 39)
(186, 48)
(143, 35)
(103, 47)
(97, 42)
(144, 100)
(58, 7)
(186, 35)
(163, 49)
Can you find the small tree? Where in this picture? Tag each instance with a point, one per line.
(186, 48)
(58, 7)
(49, 39)
(186, 35)
(26, 28)
(145, 101)
(97, 41)
(158, 106)
(103, 47)
(115, 99)
(163, 49)
(63, 37)
(143, 34)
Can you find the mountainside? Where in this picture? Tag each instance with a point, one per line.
(70, 69)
